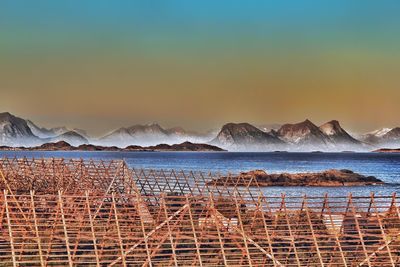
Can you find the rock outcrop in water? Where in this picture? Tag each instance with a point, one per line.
(387, 150)
(327, 178)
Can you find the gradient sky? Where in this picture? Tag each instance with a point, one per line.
(100, 65)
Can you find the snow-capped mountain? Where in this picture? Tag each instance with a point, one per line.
(304, 134)
(385, 137)
(71, 137)
(341, 139)
(374, 137)
(392, 136)
(43, 132)
(380, 132)
(40, 132)
(391, 139)
(15, 131)
(246, 137)
(337, 134)
(137, 135)
(56, 134)
(149, 135)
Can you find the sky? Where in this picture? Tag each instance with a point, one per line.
(99, 64)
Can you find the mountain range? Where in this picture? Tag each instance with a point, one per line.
(302, 136)
(148, 135)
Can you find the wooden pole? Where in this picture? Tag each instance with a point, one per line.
(121, 245)
(194, 232)
(42, 263)
(10, 231)
(92, 229)
(64, 223)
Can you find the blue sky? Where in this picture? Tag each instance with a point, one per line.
(268, 53)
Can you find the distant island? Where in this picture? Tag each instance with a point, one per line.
(64, 146)
(325, 178)
(387, 150)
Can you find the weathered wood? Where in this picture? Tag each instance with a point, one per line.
(61, 212)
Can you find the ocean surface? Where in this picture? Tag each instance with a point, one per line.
(383, 166)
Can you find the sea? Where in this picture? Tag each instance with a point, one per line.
(384, 166)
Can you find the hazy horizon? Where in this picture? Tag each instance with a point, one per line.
(101, 65)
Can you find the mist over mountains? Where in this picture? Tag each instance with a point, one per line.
(151, 134)
(302, 136)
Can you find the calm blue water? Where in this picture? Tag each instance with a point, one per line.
(383, 166)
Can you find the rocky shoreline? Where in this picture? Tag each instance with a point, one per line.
(387, 150)
(64, 146)
(332, 178)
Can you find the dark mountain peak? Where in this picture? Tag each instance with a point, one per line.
(302, 127)
(334, 123)
(8, 117)
(244, 135)
(15, 130)
(4, 115)
(331, 127)
(241, 130)
(304, 133)
(337, 133)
